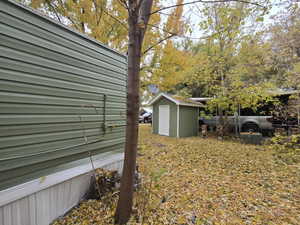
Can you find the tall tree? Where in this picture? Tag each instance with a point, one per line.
(231, 64)
(104, 20)
(138, 17)
(284, 38)
(139, 12)
(167, 58)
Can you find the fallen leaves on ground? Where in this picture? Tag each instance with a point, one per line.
(204, 181)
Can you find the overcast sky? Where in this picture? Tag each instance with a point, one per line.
(191, 12)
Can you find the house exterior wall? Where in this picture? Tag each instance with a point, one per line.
(62, 96)
(188, 121)
(173, 116)
(44, 206)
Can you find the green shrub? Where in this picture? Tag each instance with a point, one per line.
(287, 148)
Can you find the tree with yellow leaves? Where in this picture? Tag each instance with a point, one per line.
(285, 41)
(104, 20)
(233, 63)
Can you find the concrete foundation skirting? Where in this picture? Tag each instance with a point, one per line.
(41, 201)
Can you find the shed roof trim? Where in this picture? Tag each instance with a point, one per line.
(176, 101)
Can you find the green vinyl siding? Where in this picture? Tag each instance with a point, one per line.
(188, 121)
(62, 96)
(173, 116)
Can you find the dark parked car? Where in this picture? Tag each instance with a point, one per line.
(145, 117)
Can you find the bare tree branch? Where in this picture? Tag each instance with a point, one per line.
(54, 10)
(123, 3)
(202, 1)
(183, 36)
(116, 19)
(68, 17)
(162, 40)
(98, 17)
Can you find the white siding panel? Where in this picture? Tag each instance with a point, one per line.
(16, 209)
(32, 209)
(66, 196)
(60, 193)
(23, 206)
(79, 187)
(44, 206)
(7, 215)
(75, 191)
(1, 217)
(54, 199)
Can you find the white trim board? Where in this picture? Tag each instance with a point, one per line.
(28, 188)
(196, 104)
(163, 95)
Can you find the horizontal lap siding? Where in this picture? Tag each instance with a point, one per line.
(53, 86)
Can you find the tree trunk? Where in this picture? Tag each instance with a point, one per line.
(137, 21)
(126, 193)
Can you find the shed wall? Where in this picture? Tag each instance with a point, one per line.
(188, 121)
(62, 95)
(173, 116)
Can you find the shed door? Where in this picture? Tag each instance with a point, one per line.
(164, 120)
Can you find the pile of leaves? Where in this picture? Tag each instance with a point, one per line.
(103, 183)
(99, 207)
(200, 181)
(287, 148)
(96, 212)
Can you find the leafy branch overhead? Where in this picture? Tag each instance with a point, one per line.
(107, 22)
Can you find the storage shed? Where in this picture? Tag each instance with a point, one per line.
(174, 116)
(62, 105)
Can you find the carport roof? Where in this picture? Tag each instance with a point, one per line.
(177, 100)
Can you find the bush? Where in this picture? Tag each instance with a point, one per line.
(287, 148)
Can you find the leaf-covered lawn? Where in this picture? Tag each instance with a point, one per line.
(208, 181)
